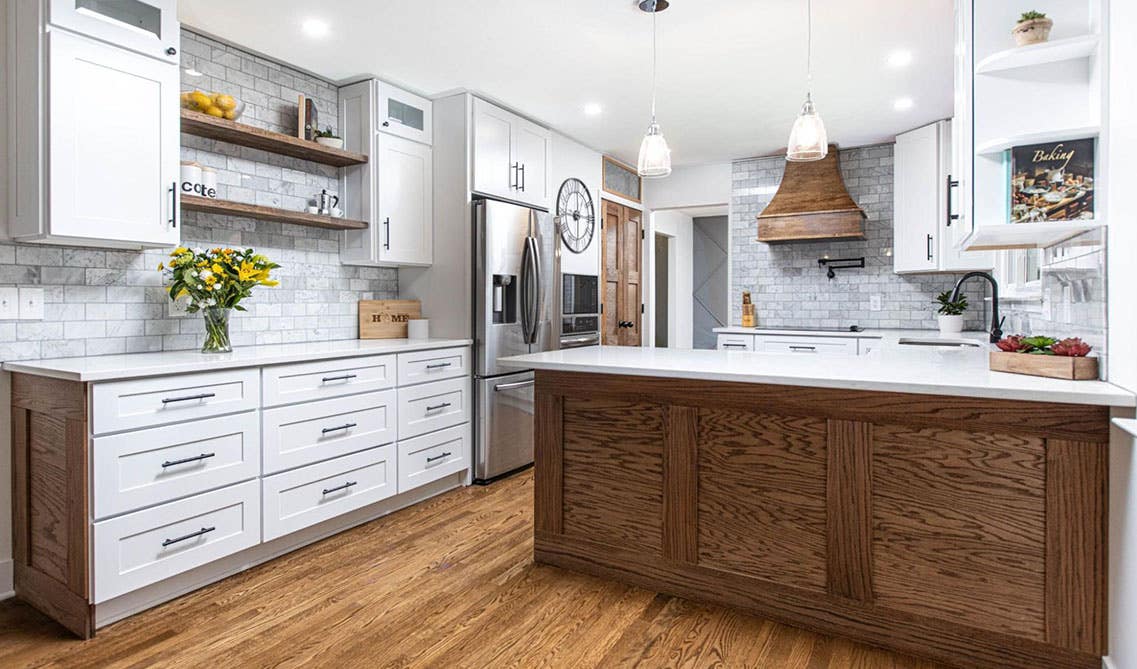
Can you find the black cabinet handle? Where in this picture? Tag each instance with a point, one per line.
(522, 172)
(343, 377)
(929, 247)
(514, 172)
(438, 365)
(436, 407)
(174, 205)
(734, 345)
(951, 183)
(438, 457)
(387, 223)
(191, 535)
(196, 458)
(187, 398)
(328, 491)
(345, 426)
(171, 51)
(803, 348)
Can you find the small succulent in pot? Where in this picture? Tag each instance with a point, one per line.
(950, 318)
(1033, 28)
(328, 137)
(1073, 347)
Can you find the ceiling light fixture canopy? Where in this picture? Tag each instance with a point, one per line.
(655, 156)
(808, 139)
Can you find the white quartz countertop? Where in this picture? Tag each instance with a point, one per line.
(924, 370)
(867, 333)
(135, 365)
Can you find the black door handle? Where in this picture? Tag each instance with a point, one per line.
(929, 247)
(174, 205)
(951, 183)
(387, 244)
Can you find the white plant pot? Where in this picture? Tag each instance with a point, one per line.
(334, 142)
(950, 325)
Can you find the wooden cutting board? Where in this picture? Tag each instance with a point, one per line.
(386, 319)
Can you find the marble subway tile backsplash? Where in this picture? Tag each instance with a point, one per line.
(788, 287)
(99, 301)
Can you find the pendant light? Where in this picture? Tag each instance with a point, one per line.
(655, 155)
(808, 140)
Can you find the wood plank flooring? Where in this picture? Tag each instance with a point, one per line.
(449, 583)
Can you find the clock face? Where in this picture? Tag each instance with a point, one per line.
(576, 217)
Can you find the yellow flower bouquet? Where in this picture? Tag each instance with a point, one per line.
(214, 281)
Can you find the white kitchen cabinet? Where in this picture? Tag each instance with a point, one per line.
(511, 155)
(924, 214)
(735, 342)
(394, 190)
(106, 170)
(149, 27)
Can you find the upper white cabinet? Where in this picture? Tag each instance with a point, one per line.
(393, 192)
(149, 27)
(924, 207)
(96, 143)
(511, 156)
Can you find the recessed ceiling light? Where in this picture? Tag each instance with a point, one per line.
(315, 28)
(593, 109)
(903, 104)
(900, 58)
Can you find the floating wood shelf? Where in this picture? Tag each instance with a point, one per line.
(204, 125)
(1026, 235)
(229, 208)
(1071, 48)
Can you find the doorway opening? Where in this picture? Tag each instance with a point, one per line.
(663, 281)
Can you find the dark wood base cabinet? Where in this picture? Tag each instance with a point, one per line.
(971, 531)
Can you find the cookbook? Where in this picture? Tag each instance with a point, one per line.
(1052, 181)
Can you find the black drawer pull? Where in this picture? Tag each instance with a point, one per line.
(345, 426)
(196, 458)
(436, 407)
(438, 365)
(188, 398)
(803, 348)
(439, 457)
(191, 535)
(344, 377)
(734, 345)
(328, 491)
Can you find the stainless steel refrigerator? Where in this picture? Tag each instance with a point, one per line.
(514, 249)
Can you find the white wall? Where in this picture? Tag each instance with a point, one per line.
(1120, 137)
(680, 304)
(573, 159)
(693, 186)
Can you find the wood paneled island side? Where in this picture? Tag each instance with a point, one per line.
(969, 530)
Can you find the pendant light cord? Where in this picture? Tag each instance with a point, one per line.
(809, 50)
(654, 58)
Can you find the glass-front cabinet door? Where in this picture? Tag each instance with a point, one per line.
(149, 27)
(404, 114)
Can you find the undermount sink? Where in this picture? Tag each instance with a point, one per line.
(946, 343)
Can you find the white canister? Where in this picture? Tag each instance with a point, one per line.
(208, 182)
(418, 328)
(191, 178)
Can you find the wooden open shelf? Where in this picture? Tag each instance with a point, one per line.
(204, 125)
(229, 208)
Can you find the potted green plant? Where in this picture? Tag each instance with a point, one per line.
(1033, 28)
(950, 313)
(328, 137)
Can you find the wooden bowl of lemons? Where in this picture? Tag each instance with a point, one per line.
(221, 105)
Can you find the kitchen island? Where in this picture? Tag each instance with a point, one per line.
(908, 499)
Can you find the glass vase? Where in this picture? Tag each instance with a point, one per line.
(216, 330)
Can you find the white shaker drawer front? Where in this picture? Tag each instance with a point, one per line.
(137, 469)
(730, 342)
(808, 345)
(148, 546)
(433, 406)
(303, 382)
(306, 433)
(433, 456)
(306, 496)
(423, 366)
(128, 405)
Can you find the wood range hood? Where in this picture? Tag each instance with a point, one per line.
(812, 204)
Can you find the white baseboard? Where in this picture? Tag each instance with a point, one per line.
(7, 587)
(144, 598)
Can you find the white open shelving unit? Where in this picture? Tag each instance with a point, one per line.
(1034, 94)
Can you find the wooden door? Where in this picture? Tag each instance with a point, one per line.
(622, 238)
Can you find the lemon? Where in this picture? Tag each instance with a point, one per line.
(201, 101)
(231, 114)
(215, 111)
(226, 102)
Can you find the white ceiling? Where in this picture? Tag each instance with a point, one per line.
(731, 72)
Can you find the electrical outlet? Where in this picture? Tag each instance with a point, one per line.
(9, 303)
(177, 308)
(874, 302)
(31, 304)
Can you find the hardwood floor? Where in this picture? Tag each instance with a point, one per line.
(449, 583)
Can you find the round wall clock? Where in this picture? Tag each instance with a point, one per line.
(576, 217)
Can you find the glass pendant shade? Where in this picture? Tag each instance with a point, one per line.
(655, 155)
(808, 140)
